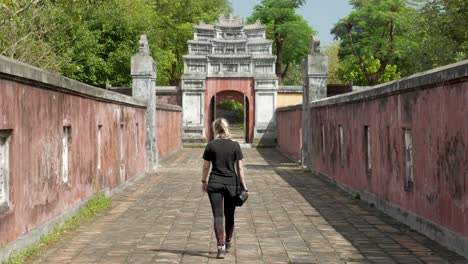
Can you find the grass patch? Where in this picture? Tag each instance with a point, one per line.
(356, 196)
(98, 203)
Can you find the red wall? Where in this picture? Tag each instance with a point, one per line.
(242, 85)
(437, 115)
(169, 133)
(169, 98)
(289, 124)
(36, 115)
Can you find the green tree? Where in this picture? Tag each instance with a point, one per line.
(25, 26)
(235, 107)
(349, 71)
(173, 28)
(294, 76)
(97, 38)
(92, 41)
(376, 30)
(333, 63)
(290, 32)
(441, 31)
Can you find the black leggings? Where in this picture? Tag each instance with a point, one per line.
(217, 193)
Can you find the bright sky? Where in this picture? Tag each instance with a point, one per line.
(321, 14)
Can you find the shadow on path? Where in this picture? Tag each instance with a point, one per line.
(195, 253)
(378, 237)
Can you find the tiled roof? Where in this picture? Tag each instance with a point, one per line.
(230, 56)
(230, 40)
(264, 56)
(204, 26)
(194, 56)
(192, 41)
(256, 25)
(259, 41)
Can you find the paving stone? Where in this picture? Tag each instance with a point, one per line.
(291, 217)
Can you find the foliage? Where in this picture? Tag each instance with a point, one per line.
(294, 76)
(333, 63)
(441, 31)
(426, 34)
(234, 106)
(349, 71)
(24, 29)
(98, 203)
(290, 32)
(374, 30)
(92, 41)
(173, 28)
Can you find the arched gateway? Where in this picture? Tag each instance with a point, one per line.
(229, 60)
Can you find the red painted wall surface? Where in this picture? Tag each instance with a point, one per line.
(438, 118)
(242, 85)
(174, 99)
(169, 99)
(36, 117)
(289, 123)
(169, 125)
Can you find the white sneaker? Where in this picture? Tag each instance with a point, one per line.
(228, 245)
(221, 252)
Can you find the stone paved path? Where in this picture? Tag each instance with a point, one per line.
(291, 217)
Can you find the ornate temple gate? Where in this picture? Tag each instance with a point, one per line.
(237, 89)
(229, 58)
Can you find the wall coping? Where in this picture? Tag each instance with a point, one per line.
(289, 108)
(22, 72)
(439, 75)
(167, 89)
(289, 89)
(168, 107)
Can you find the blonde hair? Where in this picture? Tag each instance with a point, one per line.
(221, 128)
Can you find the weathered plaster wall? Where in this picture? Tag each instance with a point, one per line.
(169, 95)
(438, 120)
(36, 105)
(169, 124)
(289, 122)
(242, 85)
(288, 99)
(433, 105)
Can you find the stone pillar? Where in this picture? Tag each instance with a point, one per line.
(314, 75)
(143, 70)
(266, 90)
(193, 103)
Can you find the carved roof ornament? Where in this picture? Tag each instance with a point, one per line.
(143, 45)
(229, 21)
(315, 45)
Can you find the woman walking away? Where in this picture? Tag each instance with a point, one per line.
(223, 154)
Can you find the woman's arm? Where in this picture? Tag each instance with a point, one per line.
(241, 174)
(206, 168)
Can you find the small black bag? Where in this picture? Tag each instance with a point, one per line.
(241, 194)
(240, 197)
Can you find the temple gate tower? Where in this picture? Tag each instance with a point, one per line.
(229, 60)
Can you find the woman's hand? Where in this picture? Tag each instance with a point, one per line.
(206, 168)
(244, 187)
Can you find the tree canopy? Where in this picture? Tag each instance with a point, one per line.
(373, 36)
(92, 41)
(289, 31)
(382, 40)
(441, 33)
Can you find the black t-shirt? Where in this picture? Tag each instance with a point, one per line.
(223, 154)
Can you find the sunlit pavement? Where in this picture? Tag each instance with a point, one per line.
(291, 217)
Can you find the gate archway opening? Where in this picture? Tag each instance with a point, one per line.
(234, 107)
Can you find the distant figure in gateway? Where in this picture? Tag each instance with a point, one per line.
(225, 155)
